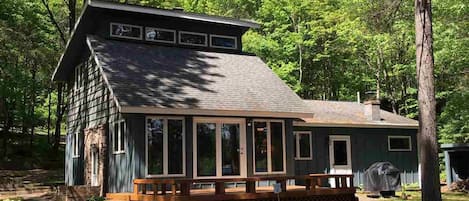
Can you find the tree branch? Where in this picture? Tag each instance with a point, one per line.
(52, 19)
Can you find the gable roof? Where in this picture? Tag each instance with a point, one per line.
(170, 80)
(350, 114)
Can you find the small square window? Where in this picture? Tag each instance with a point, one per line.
(303, 145)
(399, 143)
(160, 35)
(226, 42)
(191, 38)
(126, 31)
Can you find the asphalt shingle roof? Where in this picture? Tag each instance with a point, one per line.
(351, 114)
(152, 76)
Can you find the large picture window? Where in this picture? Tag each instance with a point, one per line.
(225, 42)
(160, 35)
(269, 146)
(191, 38)
(303, 145)
(119, 30)
(399, 143)
(165, 146)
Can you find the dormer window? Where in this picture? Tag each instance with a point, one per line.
(226, 42)
(119, 30)
(191, 38)
(160, 35)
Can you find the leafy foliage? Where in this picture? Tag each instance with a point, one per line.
(323, 49)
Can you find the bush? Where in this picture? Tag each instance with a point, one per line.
(96, 198)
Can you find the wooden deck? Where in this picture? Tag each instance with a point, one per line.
(181, 189)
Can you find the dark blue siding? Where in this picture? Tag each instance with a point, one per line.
(368, 145)
(123, 168)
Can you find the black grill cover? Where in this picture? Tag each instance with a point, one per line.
(382, 176)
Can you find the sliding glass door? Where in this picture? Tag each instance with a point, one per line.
(219, 148)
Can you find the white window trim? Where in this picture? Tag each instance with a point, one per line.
(298, 148)
(127, 37)
(76, 143)
(242, 143)
(165, 147)
(269, 147)
(227, 37)
(160, 29)
(346, 138)
(119, 137)
(399, 137)
(193, 33)
(78, 78)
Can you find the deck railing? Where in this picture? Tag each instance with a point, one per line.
(315, 184)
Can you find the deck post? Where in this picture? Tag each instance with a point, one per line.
(250, 187)
(343, 182)
(283, 184)
(313, 184)
(135, 188)
(163, 189)
(186, 188)
(219, 188)
(173, 188)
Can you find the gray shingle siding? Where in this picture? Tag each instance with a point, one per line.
(88, 106)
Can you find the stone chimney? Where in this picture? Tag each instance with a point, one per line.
(372, 110)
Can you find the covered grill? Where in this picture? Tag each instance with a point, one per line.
(382, 177)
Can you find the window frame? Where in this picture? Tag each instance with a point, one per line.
(193, 33)
(165, 147)
(269, 147)
(78, 78)
(126, 37)
(298, 148)
(75, 145)
(160, 29)
(227, 37)
(218, 158)
(120, 137)
(409, 138)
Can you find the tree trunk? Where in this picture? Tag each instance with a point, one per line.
(33, 104)
(49, 94)
(427, 140)
(72, 15)
(59, 114)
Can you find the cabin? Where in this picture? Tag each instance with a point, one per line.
(348, 137)
(165, 105)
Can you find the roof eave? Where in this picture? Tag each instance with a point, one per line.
(183, 15)
(356, 125)
(212, 112)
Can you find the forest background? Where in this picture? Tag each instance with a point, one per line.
(323, 49)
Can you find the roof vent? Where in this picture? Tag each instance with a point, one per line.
(372, 110)
(179, 9)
